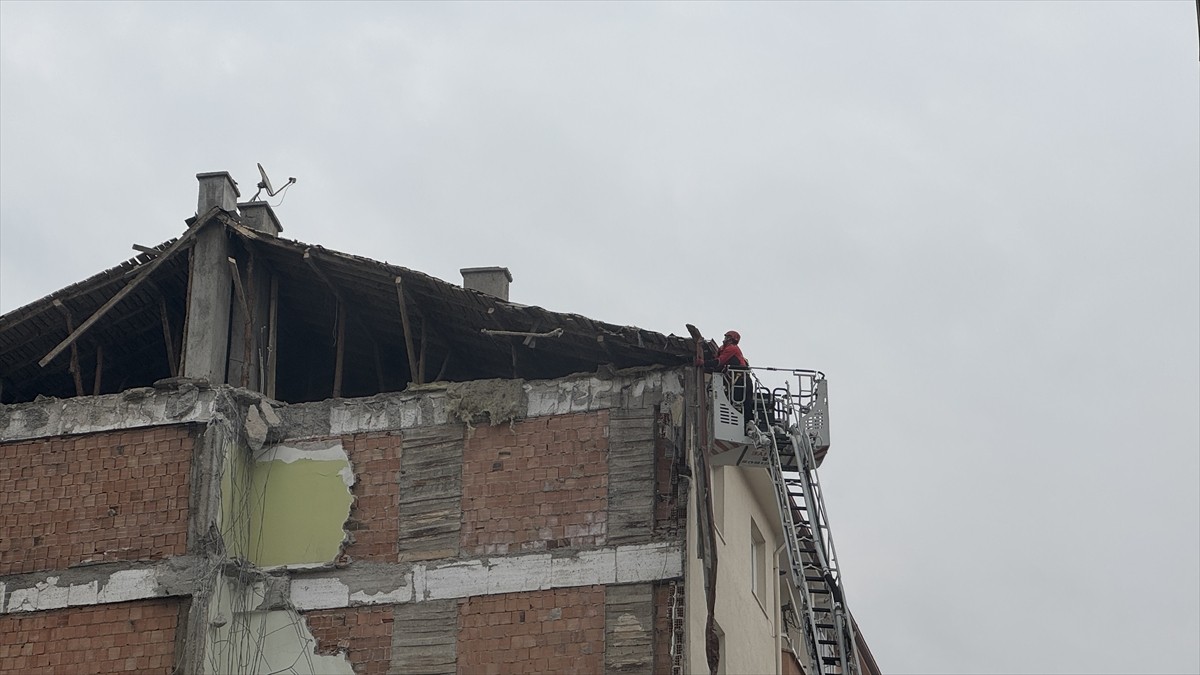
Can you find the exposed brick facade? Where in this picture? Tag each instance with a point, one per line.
(555, 631)
(127, 637)
(374, 516)
(538, 484)
(662, 624)
(666, 505)
(363, 633)
(95, 497)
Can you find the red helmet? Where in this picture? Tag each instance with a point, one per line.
(734, 335)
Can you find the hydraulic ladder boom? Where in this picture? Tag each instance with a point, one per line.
(827, 627)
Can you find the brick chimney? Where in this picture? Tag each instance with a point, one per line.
(491, 280)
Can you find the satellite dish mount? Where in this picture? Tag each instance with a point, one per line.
(265, 184)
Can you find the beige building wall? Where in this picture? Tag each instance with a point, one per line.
(748, 536)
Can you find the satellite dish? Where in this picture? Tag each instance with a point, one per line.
(265, 184)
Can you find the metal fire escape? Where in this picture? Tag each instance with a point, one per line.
(787, 433)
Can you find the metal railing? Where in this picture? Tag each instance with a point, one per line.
(781, 405)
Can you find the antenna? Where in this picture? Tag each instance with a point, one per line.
(265, 184)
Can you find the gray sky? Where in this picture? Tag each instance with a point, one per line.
(980, 219)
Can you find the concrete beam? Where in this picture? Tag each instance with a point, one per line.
(99, 584)
(385, 584)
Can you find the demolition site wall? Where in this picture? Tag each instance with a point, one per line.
(486, 526)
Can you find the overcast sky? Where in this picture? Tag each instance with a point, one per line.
(979, 219)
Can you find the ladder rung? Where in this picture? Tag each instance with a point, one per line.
(827, 626)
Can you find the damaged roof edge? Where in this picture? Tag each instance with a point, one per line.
(495, 334)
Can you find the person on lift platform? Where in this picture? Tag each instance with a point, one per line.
(728, 356)
(729, 360)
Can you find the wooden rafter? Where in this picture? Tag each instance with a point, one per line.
(128, 288)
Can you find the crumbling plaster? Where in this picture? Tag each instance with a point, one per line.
(251, 630)
(183, 401)
(97, 584)
(397, 584)
(173, 401)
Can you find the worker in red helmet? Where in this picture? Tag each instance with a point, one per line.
(729, 355)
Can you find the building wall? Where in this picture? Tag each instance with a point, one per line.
(363, 634)
(749, 622)
(395, 533)
(535, 485)
(97, 497)
(119, 637)
(555, 631)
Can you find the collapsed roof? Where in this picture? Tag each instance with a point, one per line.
(455, 333)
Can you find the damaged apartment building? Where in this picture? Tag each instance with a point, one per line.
(237, 453)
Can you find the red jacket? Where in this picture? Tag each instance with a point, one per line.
(731, 355)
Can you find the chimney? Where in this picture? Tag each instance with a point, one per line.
(259, 216)
(491, 280)
(217, 189)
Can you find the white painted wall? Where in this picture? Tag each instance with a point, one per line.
(245, 639)
(752, 642)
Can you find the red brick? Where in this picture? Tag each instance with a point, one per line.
(376, 461)
(546, 641)
(98, 639)
(364, 633)
(522, 482)
(68, 497)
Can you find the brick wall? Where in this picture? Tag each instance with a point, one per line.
(555, 631)
(363, 633)
(105, 496)
(374, 515)
(123, 637)
(540, 483)
(662, 624)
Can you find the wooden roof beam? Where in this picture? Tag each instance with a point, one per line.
(128, 288)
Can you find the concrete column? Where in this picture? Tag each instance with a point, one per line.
(256, 282)
(206, 343)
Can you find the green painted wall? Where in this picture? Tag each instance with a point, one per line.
(298, 512)
(236, 503)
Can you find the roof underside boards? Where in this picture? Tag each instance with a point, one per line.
(130, 336)
(447, 324)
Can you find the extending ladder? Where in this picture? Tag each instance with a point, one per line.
(827, 627)
(787, 434)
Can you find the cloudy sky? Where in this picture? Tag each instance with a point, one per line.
(979, 219)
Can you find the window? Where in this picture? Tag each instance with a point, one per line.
(758, 564)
